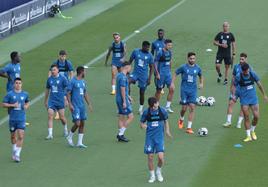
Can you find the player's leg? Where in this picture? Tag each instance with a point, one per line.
(114, 72)
(142, 98)
(184, 106)
(159, 84)
(245, 109)
(168, 80)
(13, 139)
(151, 167)
(218, 68)
(20, 135)
(63, 121)
(256, 115)
(81, 131)
(126, 120)
(160, 163)
(240, 119)
(72, 131)
(227, 62)
(229, 112)
(50, 123)
(189, 129)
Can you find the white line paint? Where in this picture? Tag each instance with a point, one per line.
(93, 61)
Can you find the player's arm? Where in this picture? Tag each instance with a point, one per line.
(153, 49)
(9, 105)
(88, 101)
(71, 107)
(151, 66)
(46, 97)
(108, 55)
(262, 91)
(143, 125)
(201, 82)
(26, 105)
(167, 129)
(3, 72)
(125, 51)
(123, 94)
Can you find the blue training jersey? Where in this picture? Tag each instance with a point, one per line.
(142, 60)
(189, 76)
(157, 46)
(155, 120)
(16, 114)
(246, 85)
(118, 51)
(13, 71)
(64, 67)
(163, 61)
(57, 86)
(121, 81)
(77, 88)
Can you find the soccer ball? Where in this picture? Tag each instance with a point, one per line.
(203, 131)
(201, 100)
(210, 101)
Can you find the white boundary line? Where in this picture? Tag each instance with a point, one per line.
(93, 61)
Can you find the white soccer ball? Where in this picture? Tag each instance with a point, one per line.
(211, 101)
(203, 131)
(201, 100)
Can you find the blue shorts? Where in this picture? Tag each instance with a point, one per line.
(188, 96)
(165, 80)
(153, 145)
(14, 125)
(249, 101)
(79, 114)
(142, 80)
(55, 107)
(124, 111)
(116, 63)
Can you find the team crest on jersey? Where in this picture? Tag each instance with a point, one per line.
(14, 97)
(187, 71)
(146, 57)
(194, 71)
(58, 81)
(157, 45)
(21, 98)
(227, 36)
(78, 85)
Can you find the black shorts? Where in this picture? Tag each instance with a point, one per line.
(227, 60)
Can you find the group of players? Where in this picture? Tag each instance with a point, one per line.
(64, 89)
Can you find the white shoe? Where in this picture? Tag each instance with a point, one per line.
(140, 112)
(17, 159)
(168, 109)
(70, 141)
(49, 137)
(151, 179)
(65, 134)
(159, 176)
(81, 146)
(238, 125)
(227, 124)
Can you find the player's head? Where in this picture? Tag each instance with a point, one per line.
(243, 58)
(62, 55)
(160, 33)
(15, 57)
(116, 37)
(245, 68)
(226, 26)
(80, 71)
(146, 46)
(126, 66)
(17, 83)
(168, 44)
(153, 103)
(54, 70)
(191, 58)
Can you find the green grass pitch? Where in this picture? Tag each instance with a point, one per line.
(190, 160)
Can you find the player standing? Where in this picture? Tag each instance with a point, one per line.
(65, 69)
(154, 120)
(119, 52)
(143, 59)
(163, 73)
(236, 70)
(54, 99)
(225, 41)
(77, 93)
(123, 101)
(189, 73)
(12, 70)
(248, 98)
(158, 45)
(17, 101)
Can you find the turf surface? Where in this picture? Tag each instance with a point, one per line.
(190, 160)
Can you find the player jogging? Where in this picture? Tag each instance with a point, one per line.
(17, 102)
(54, 99)
(248, 99)
(142, 60)
(163, 73)
(154, 120)
(225, 41)
(119, 52)
(123, 101)
(236, 70)
(77, 93)
(188, 89)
